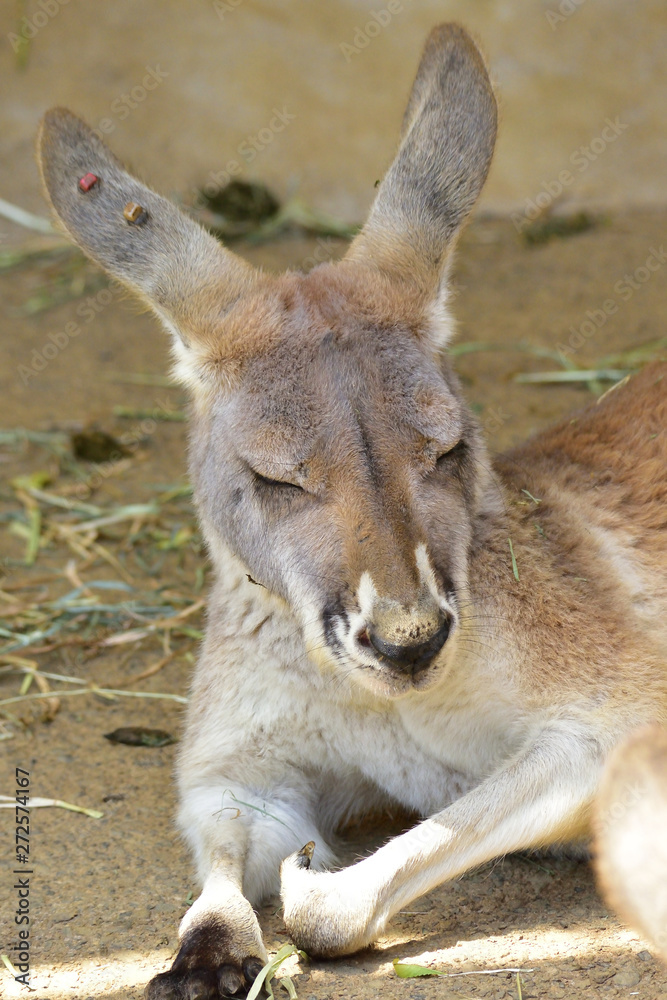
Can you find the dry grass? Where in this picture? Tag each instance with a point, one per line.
(91, 577)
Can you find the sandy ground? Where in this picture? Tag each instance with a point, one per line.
(107, 894)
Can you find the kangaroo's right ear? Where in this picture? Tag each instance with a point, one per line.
(448, 136)
(174, 265)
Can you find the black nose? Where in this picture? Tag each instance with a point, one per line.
(410, 659)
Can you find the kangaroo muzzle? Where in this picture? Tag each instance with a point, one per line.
(410, 657)
(407, 639)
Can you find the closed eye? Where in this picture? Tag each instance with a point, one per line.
(266, 481)
(453, 454)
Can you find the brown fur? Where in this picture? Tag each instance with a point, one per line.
(630, 840)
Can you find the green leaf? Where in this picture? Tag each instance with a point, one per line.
(288, 985)
(7, 802)
(269, 970)
(35, 480)
(578, 375)
(407, 971)
(530, 495)
(515, 568)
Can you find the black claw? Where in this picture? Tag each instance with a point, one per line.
(252, 966)
(205, 984)
(163, 987)
(200, 985)
(305, 855)
(230, 981)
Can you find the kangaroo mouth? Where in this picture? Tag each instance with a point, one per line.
(402, 668)
(410, 658)
(387, 666)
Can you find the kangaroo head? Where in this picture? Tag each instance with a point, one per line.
(331, 449)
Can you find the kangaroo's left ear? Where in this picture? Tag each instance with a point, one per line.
(448, 137)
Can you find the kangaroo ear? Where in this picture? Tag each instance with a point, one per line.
(448, 135)
(178, 268)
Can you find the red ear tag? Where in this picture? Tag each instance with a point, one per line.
(88, 181)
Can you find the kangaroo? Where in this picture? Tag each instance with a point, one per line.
(630, 844)
(395, 617)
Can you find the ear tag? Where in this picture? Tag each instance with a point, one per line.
(135, 214)
(87, 182)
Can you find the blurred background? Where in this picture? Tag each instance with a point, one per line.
(340, 70)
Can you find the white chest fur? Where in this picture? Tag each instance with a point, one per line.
(257, 695)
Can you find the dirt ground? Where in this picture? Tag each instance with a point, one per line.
(107, 894)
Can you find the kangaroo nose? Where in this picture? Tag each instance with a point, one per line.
(415, 657)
